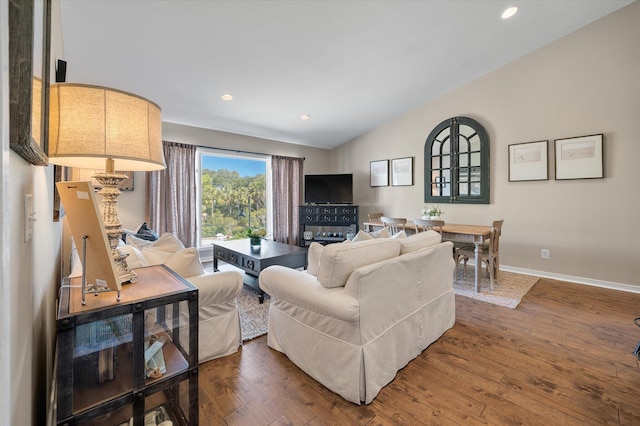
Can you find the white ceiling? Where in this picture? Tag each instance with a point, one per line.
(350, 65)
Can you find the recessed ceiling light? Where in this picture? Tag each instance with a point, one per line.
(509, 12)
(227, 97)
(305, 117)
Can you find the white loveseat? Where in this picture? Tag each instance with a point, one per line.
(219, 321)
(362, 310)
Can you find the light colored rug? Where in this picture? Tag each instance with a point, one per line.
(508, 292)
(254, 316)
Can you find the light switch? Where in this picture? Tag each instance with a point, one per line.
(29, 217)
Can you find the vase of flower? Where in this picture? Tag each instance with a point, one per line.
(431, 213)
(255, 238)
(256, 243)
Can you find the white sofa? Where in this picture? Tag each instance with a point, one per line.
(219, 321)
(363, 310)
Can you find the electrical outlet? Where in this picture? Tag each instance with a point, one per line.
(545, 254)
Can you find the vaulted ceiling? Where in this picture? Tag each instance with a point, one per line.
(349, 65)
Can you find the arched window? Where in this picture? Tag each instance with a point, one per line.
(456, 163)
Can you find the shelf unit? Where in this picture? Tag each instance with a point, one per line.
(328, 223)
(102, 375)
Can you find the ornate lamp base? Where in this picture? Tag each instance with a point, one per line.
(110, 181)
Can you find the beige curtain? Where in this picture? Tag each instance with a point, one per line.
(286, 174)
(171, 194)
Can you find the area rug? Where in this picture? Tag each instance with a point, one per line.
(254, 316)
(508, 292)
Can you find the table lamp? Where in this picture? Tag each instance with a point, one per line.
(93, 127)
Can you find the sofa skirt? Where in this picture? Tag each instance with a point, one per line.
(356, 371)
(218, 330)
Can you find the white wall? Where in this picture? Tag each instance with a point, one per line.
(131, 204)
(586, 83)
(30, 271)
(5, 276)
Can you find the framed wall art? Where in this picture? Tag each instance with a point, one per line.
(529, 161)
(579, 158)
(402, 171)
(29, 46)
(379, 173)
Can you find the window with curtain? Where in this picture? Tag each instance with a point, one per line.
(287, 196)
(207, 194)
(171, 194)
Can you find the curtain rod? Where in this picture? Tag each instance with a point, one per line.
(237, 151)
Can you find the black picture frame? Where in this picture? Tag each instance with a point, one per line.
(579, 157)
(402, 171)
(27, 20)
(379, 173)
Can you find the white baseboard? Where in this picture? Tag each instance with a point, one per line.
(569, 278)
(573, 279)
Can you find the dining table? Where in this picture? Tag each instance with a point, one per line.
(456, 232)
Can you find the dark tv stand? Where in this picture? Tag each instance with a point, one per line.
(327, 204)
(328, 223)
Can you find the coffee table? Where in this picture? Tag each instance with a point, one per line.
(240, 254)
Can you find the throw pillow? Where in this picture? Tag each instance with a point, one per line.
(186, 263)
(362, 236)
(146, 233)
(155, 256)
(313, 258)
(382, 233)
(162, 249)
(135, 259)
(168, 242)
(338, 261)
(420, 240)
(400, 234)
(136, 242)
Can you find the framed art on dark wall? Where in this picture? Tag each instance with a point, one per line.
(379, 173)
(579, 158)
(528, 161)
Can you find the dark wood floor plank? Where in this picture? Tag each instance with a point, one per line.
(563, 356)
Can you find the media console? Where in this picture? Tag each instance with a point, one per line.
(327, 223)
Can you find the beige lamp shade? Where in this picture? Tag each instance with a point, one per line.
(89, 124)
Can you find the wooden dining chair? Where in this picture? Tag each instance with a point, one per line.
(375, 217)
(395, 224)
(423, 225)
(490, 253)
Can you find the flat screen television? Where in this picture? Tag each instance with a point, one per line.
(328, 189)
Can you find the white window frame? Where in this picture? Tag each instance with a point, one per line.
(202, 151)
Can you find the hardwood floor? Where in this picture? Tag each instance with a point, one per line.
(563, 357)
